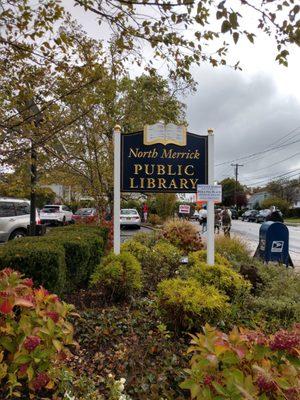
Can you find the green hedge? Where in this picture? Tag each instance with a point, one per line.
(84, 249)
(80, 248)
(41, 260)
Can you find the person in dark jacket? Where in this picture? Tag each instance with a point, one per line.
(275, 215)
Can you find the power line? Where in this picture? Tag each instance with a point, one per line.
(285, 175)
(276, 163)
(266, 150)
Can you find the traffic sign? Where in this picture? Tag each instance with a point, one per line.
(209, 193)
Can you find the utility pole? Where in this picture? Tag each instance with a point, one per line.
(35, 112)
(236, 173)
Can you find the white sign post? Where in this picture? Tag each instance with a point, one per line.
(117, 185)
(210, 203)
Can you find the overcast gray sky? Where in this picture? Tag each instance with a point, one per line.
(251, 110)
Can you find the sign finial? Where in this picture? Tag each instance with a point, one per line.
(210, 131)
(117, 128)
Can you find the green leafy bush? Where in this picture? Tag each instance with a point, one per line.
(118, 275)
(187, 305)
(34, 335)
(234, 250)
(43, 260)
(139, 250)
(158, 263)
(244, 365)
(222, 277)
(148, 239)
(84, 249)
(182, 234)
(201, 256)
(274, 302)
(155, 219)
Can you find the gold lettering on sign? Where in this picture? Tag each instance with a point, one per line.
(194, 183)
(172, 184)
(151, 183)
(187, 168)
(161, 169)
(162, 183)
(142, 185)
(170, 170)
(183, 183)
(137, 168)
(132, 186)
(149, 171)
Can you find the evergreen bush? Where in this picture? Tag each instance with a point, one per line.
(43, 260)
(119, 276)
(222, 277)
(186, 305)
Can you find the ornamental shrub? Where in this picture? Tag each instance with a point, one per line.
(186, 305)
(140, 251)
(234, 250)
(201, 256)
(222, 277)
(182, 234)
(41, 259)
(83, 248)
(119, 276)
(148, 239)
(275, 301)
(158, 263)
(155, 219)
(244, 365)
(34, 336)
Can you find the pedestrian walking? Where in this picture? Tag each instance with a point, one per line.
(226, 222)
(145, 210)
(217, 221)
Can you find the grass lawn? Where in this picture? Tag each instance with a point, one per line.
(293, 220)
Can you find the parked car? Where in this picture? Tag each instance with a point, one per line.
(14, 218)
(253, 215)
(249, 215)
(262, 215)
(130, 217)
(234, 214)
(87, 215)
(56, 214)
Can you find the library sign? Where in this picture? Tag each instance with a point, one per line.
(163, 158)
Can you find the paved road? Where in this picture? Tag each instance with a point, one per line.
(249, 231)
(128, 232)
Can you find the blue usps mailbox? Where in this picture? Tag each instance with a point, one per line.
(274, 243)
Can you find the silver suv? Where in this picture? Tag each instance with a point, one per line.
(14, 218)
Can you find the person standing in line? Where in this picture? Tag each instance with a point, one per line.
(145, 210)
(226, 222)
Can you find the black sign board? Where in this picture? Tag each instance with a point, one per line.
(163, 167)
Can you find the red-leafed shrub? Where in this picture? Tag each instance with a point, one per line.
(182, 234)
(244, 365)
(34, 335)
